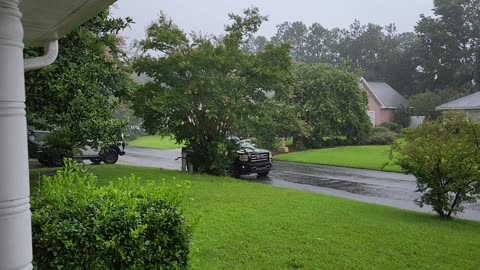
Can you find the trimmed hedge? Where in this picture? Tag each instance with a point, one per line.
(77, 225)
(383, 138)
(380, 136)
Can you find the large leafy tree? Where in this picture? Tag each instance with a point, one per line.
(78, 93)
(255, 44)
(425, 103)
(277, 119)
(205, 89)
(294, 34)
(450, 45)
(380, 53)
(322, 45)
(314, 44)
(331, 102)
(444, 157)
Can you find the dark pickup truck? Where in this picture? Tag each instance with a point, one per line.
(248, 159)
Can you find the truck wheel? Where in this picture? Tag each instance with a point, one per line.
(96, 161)
(43, 161)
(55, 162)
(110, 157)
(263, 174)
(236, 172)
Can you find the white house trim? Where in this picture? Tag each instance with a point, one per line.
(43, 20)
(15, 224)
(51, 53)
(369, 89)
(440, 108)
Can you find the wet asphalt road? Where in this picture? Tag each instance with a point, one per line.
(386, 188)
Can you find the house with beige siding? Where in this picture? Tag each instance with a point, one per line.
(470, 105)
(383, 101)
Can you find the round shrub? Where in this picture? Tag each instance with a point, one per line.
(392, 126)
(77, 225)
(381, 138)
(377, 130)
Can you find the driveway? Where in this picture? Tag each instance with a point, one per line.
(385, 188)
(151, 158)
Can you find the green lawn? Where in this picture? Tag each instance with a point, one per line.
(365, 157)
(246, 225)
(155, 141)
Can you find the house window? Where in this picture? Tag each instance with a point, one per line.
(371, 115)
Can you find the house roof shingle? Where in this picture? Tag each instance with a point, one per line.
(385, 94)
(469, 102)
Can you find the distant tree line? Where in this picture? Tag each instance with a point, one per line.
(442, 53)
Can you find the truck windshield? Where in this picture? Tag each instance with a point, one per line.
(247, 145)
(40, 136)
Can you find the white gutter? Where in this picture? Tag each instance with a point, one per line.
(51, 53)
(439, 108)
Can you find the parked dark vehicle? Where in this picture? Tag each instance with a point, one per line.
(39, 149)
(248, 159)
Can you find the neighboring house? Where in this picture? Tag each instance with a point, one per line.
(383, 101)
(469, 104)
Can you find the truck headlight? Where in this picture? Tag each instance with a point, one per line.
(243, 157)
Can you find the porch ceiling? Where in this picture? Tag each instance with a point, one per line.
(45, 20)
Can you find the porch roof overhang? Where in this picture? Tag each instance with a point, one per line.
(42, 21)
(47, 20)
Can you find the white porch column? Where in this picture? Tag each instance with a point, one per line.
(15, 223)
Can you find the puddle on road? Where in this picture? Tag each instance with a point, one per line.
(352, 187)
(316, 181)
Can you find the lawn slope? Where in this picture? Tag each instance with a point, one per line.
(246, 225)
(155, 141)
(374, 157)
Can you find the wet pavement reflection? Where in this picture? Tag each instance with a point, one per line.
(386, 188)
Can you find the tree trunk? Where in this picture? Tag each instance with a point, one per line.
(454, 204)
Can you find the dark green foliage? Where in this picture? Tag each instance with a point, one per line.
(383, 138)
(77, 225)
(299, 143)
(275, 119)
(294, 34)
(380, 136)
(331, 102)
(81, 89)
(58, 145)
(402, 116)
(444, 157)
(204, 90)
(425, 103)
(328, 141)
(216, 158)
(381, 53)
(449, 45)
(395, 127)
(443, 52)
(334, 141)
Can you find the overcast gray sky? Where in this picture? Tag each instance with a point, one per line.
(210, 16)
